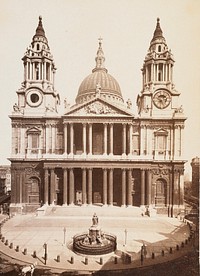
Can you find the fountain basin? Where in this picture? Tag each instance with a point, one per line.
(82, 245)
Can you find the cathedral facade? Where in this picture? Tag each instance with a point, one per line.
(98, 151)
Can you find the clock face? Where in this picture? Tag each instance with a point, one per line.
(161, 99)
(34, 97)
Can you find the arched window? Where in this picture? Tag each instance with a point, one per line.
(159, 48)
(38, 46)
(160, 72)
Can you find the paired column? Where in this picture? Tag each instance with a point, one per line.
(90, 186)
(111, 139)
(129, 199)
(65, 186)
(71, 186)
(148, 187)
(71, 139)
(90, 139)
(123, 187)
(52, 186)
(46, 186)
(84, 195)
(142, 187)
(124, 140)
(110, 188)
(84, 139)
(65, 139)
(105, 138)
(105, 187)
(130, 139)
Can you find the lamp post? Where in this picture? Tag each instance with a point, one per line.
(125, 231)
(45, 253)
(64, 231)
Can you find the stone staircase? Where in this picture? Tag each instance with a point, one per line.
(88, 211)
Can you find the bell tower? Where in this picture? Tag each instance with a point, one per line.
(37, 94)
(158, 97)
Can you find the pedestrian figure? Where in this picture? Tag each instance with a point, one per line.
(144, 250)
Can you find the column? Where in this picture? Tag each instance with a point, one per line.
(52, 186)
(17, 183)
(130, 139)
(46, 186)
(71, 139)
(105, 187)
(84, 139)
(141, 140)
(129, 194)
(19, 139)
(181, 187)
(124, 140)
(65, 139)
(152, 72)
(148, 187)
(44, 70)
(149, 141)
(13, 139)
(84, 196)
(110, 190)
(105, 139)
(90, 186)
(47, 138)
(182, 140)
(71, 186)
(168, 195)
(142, 187)
(65, 186)
(53, 138)
(123, 187)
(22, 146)
(171, 73)
(111, 139)
(20, 185)
(90, 139)
(33, 71)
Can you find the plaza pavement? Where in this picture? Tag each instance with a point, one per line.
(29, 232)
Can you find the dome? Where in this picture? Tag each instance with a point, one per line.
(99, 83)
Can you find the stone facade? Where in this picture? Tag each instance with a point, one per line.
(195, 176)
(98, 151)
(5, 179)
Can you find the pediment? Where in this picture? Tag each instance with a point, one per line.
(33, 130)
(98, 107)
(161, 131)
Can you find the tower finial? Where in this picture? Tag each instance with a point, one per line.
(158, 32)
(40, 29)
(100, 40)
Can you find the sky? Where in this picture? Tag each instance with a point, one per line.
(73, 27)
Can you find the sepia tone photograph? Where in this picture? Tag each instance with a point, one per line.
(99, 141)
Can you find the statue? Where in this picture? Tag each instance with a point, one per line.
(16, 107)
(95, 219)
(129, 104)
(98, 89)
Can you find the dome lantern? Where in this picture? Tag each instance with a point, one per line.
(109, 87)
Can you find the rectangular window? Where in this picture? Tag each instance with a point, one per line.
(161, 143)
(34, 141)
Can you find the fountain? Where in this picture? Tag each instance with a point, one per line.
(95, 241)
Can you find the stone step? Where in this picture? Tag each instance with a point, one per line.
(104, 211)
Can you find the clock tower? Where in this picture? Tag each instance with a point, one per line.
(37, 94)
(158, 97)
